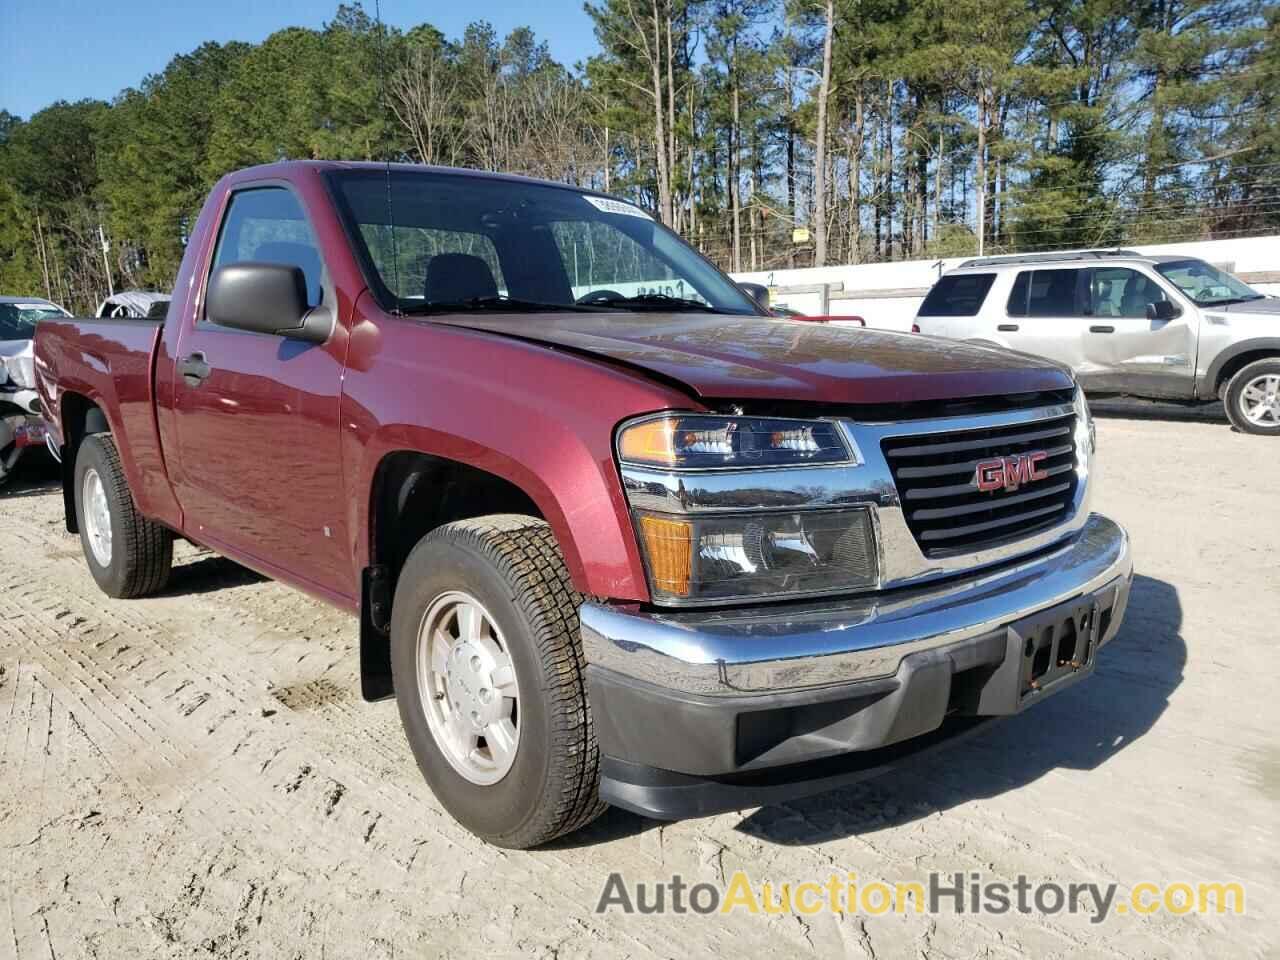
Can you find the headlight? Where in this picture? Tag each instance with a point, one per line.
(726, 509)
(706, 441)
(714, 557)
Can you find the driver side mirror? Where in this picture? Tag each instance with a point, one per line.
(265, 298)
(757, 292)
(1162, 310)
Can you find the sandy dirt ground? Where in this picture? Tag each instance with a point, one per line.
(195, 775)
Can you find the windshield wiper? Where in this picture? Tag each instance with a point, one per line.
(477, 304)
(656, 300)
(1224, 301)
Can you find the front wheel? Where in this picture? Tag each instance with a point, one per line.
(488, 670)
(1252, 398)
(128, 555)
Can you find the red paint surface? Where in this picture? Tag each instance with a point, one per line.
(272, 459)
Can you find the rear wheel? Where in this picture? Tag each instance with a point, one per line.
(128, 555)
(1252, 399)
(488, 669)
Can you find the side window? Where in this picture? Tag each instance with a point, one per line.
(267, 224)
(1018, 295)
(1120, 292)
(957, 296)
(1047, 293)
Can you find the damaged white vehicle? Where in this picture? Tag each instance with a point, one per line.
(21, 426)
(136, 304)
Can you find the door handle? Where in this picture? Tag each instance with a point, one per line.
(1008, 328)
(194, 370)
(1102, 329)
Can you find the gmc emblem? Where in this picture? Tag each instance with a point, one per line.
(1009, 473)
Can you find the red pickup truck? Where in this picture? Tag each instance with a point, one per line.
(613, 534)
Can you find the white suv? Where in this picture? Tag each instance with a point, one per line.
(1165, 327)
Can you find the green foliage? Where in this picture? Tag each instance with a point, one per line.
(1091, 121)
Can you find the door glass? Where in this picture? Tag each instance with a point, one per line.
(1120, 292)
(1054, 293)
(266, 224)
(960, 296)
(1017, 306)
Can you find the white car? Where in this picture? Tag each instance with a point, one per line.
(134, 303)
(21, 425)
(1165, 327)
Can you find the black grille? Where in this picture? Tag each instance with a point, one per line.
(946, 512)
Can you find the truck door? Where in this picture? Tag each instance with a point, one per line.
(256, 415)
(1045, 312)
(1127, 352)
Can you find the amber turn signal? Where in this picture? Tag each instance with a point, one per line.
(652, 441)
(669, 550)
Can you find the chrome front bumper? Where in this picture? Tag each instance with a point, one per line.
(700, 713)
(768, 650)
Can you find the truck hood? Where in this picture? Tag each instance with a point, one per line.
(728, 357)
(1269, 307)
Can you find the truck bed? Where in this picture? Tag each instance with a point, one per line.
(112, 363)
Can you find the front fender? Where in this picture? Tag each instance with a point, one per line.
(539, 418)
(1207, 382)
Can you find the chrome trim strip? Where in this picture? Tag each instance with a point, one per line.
(767, 649)
(971, 421)
(668, 491)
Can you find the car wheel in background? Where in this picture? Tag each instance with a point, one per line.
(128, 555)
(1252, 398)
(487, 662)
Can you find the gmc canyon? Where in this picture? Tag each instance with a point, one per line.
(613, 533)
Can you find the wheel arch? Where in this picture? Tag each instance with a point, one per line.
(80, 416)
(412, 493)
(1235, 358)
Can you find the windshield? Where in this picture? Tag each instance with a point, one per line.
(1206, 284)
(457, 242)
(18, 320)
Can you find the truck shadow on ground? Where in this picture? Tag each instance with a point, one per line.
(208, 573)
(1078, 730)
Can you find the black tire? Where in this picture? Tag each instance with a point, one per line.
(1233, 397)
(141, 550)
(512, 565)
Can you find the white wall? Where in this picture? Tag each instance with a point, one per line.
(1239, 255)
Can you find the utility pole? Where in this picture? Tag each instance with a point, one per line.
(820, 148)
(44, 259)
(106, 264)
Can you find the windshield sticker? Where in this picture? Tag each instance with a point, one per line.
(617, 206)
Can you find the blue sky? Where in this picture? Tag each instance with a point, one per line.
(63, 50)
